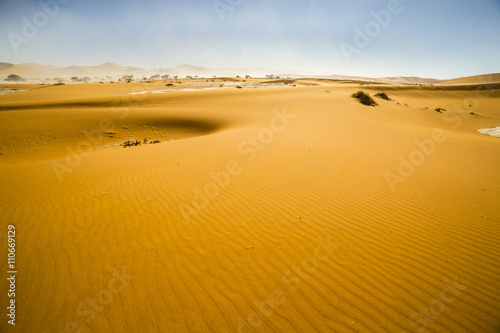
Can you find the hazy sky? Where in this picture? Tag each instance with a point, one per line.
(427, 38)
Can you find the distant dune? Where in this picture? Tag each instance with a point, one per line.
(38, 67)
(5, 66)
(33, 70)
(477, 79)
(409, 80)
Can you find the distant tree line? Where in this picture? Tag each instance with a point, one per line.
(84, 79)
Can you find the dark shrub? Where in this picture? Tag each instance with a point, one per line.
(383, 95)
(14, 77)
(364, 98)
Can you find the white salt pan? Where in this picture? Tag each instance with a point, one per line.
(495, 131)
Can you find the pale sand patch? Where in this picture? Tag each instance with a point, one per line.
(172, 90)
(495, 131)
(10, 91)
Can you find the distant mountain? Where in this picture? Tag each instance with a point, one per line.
(184, 70)
(30, 70)
(110, 68)
(113, 71)
(33, 70)
(38, 67)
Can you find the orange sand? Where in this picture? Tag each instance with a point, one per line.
(262, 209)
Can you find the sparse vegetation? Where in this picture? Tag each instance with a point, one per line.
(14, 77)
(85, 79)
(383, 95)
(127, 78)
(239, 87)
(130, 143)
(440, 110)
(364, 98)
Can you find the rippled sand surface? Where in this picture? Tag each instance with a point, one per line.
(291, 209)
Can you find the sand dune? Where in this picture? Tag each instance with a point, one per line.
(477, 79)
(285, 209)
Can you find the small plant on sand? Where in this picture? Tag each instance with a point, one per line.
(440, 110)
(383, 95)
(130, 143)
(364, 98)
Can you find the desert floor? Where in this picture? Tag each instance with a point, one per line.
(284, 206)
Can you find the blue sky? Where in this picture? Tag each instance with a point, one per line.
(427, 38)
